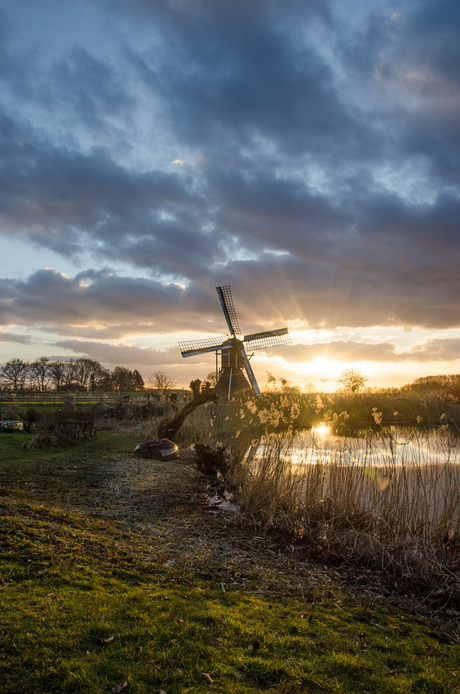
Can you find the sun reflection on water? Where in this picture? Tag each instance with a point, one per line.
(321, 429)
(320, 445)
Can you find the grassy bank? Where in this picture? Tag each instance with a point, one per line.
(88, 608)
(113, 578)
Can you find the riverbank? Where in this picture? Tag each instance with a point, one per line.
(118, 570)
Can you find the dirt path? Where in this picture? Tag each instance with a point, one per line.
(167, 504)
(172, 503)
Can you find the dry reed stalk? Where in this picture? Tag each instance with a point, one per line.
(374, 503)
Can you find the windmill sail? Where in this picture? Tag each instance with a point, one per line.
(225, 296)
(269, 338)
(250, 373)
(207, 344)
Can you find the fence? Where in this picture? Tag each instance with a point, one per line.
(53, 397)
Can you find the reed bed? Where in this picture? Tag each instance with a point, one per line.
(386, 502)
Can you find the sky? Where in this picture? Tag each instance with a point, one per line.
(304, 152)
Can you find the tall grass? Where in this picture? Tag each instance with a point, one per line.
(390, 500)
(350, 413)
(378, 501)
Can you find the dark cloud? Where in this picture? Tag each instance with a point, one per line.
(319, 173)
(121, 304)
(69, 201)
(409, 62)
(15, 73)
(91, 89)
(8, 336)
(241, 72)
(436, 349)
(269, 291)
(123, 354)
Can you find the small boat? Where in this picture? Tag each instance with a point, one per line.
(163, 449)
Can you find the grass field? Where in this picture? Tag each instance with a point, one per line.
(115, 578)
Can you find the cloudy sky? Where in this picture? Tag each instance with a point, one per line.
(305, 152)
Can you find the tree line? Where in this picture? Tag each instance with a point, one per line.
(72, 375)
(446, 383)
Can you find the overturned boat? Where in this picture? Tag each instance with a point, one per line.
(163, 449)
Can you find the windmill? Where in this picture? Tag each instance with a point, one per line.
(233, 357)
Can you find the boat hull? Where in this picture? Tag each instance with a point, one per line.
(163, 449)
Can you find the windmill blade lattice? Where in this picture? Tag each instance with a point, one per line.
(250, 373)
(207, 344)
(225, 296)
(271, 338)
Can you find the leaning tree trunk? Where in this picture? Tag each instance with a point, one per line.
(169, 427)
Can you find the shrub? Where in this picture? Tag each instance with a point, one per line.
(63, 427)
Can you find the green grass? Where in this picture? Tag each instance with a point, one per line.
(104, 444)
(70, 583)
(88, 604)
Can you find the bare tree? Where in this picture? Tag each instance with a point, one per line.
(39, 371)
(83, 369)
(14, 373)
(78, 373)
(352, 379)
(58, 371)
(70, 373)
(100, 379)
(161, 381)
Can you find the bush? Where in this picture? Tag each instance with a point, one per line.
(210, 459)
(63, 427)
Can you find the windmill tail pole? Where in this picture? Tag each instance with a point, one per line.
(169, 427)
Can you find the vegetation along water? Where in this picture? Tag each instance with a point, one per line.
(338, 573)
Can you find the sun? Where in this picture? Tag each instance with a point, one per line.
(322, 366)
(322, 363)
(325, 367)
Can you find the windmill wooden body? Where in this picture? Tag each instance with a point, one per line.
(235, 374)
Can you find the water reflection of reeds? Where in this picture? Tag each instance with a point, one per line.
(392, 499)
(395, 446)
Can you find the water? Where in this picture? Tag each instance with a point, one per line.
(413, 477)
(396, 447)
